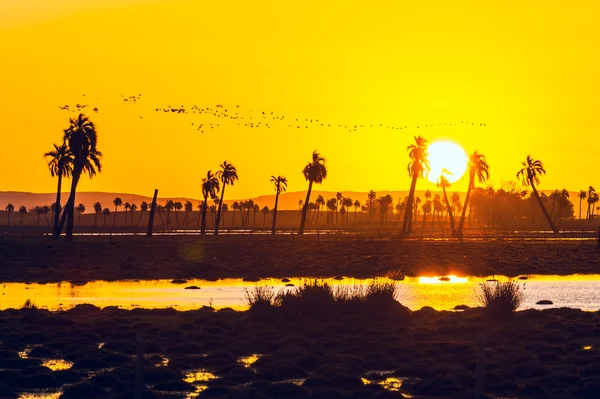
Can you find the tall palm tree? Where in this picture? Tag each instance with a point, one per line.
(117, 202)
(530, 176)
(81, 138)
(480, 170)
(97, 211)
(315, 172)
(227, 175)
(444, 183)
(582, 195)
(235, 206)
(210, 188)
(105, 213)
(280, 183)
(22, 212)
(339, 198)
(418, 167)
(143, 208)
(80, 209)
(9, 208)
(60, 164)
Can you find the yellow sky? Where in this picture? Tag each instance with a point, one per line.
(529, 72)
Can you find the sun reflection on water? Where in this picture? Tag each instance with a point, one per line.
(442, 279)
(57, 364)
(248, 361)
(40, 395)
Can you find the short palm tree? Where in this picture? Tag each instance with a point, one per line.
(127, 207)
(591, 199)
(348, 202)
(315, 172)
(97, 211)
(235, 206)
(480, 170)
(320, 201)
(117, 202)
(105, 213)
(371, 199)
(81, 138)
(9, 208)
(530, 177)
(60, 163)
(227, 175)
(143, 208)
(356, 207)
(177, 206)
(210, 188)
(418, 167)
(169, 205)
(582, 195)
(133, 208)
(22, 212)
(445, 183)
(80, 209)
(280, 184)
(187, 207)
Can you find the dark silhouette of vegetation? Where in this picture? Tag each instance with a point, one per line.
(280, 183)
(500, 299)
(315, 172)
(418, 167)
(445, 183)
(210, 188)
(143, 208)
(530, 177)
(22, 212)
(105, 213)
(97, 211)
(9, 208)
(227, 175)
(60, 164)
(480, 170)
(117, 202)
(80, 209)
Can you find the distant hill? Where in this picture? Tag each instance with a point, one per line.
(287, 201)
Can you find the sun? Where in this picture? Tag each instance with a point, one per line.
(446, 155)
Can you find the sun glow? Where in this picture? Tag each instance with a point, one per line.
(446, 155)
(443, 279)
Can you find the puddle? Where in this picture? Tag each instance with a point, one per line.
(587, 348)
(40, 395)
(57, 364)
(248, 361)
(199, 376)
(438, 292)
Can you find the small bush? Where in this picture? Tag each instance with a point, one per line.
(29, 305)
(500, 298)
(382, 290)
(261, 297)
(311, 298)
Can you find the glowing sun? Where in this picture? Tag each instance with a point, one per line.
(446, 155)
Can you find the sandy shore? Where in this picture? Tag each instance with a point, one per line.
(102, 258)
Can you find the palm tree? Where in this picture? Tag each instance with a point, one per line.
(22, 212)
(80, 209)
(38, 210)
(339, 198)
(356, 207)
(188, 207)
(97, 211)
(320, 201)
(133, 209)
(331, 205)
(371, 197)
(60, 164)
(426, 209)
(9, 208)
(582, 195)
(117, 203)
(478, 168)
(315, 172)
(199, 206)
(105, 213)
(438, 207)
(444, 183)
(143, 208)
(227, 175)
(418, 167)
(177, 206)
(530, 176)
(348, 202)
(127, 207)
(81, 137)
(280, 183)
(256, 209)
(169, 205)
(235, 207)
(210, 188)
(265, 211)
(591, 195)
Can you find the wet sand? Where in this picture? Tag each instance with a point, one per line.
(30, 259)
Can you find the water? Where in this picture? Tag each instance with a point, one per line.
(575, 291)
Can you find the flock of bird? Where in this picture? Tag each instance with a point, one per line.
(256, 120)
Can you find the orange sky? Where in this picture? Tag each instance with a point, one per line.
(529, 72)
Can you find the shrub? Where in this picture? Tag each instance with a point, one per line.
(382, 290)
(311, 298)
(500, 298)
(29, 305)
(260, 298)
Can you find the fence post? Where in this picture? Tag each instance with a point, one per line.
(480, 367)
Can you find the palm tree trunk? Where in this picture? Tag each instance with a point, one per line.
(69, 210)
(467, 198)
(580, 208)
(218, 221)
(203, 228)
(544, 211)
(55, 233)
(449, 208)
(407, 225)
(305, 208)
(273, 228)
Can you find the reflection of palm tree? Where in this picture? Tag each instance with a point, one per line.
(22, 212)
(315, 172)
(227, 175)
(80, 209)
(210, 188)
(105, 213)
(81, 137)
(60, 165)
(280, 183)
(530, 176)
(117, 203)
(478, 168)
(97, 211)
(9, 208)
(418, 167)
(582, 195)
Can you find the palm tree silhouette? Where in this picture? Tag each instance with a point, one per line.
(356, 207)
(143, 208)
(9, 208)
(235, 206)
(320, 202)
(177, 206)
(60, 164)
(265, 211)
(227, 175)
(80, 209)
(188, 207)
(591, 199)
(210, 188)
(530, 176)
(280, 183)
(438, 208)
(22, 212)
(81, 138)
(105, 213)
(348, 202)
(117, 202)
(444, 183)
(478, 168)
(97, 211)
(169, 205)
(427, 206)
(315, 172)
(133, 209)
(582, 195)
(127, 207)
(339, 198)
(418, 167)
(371, 197)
